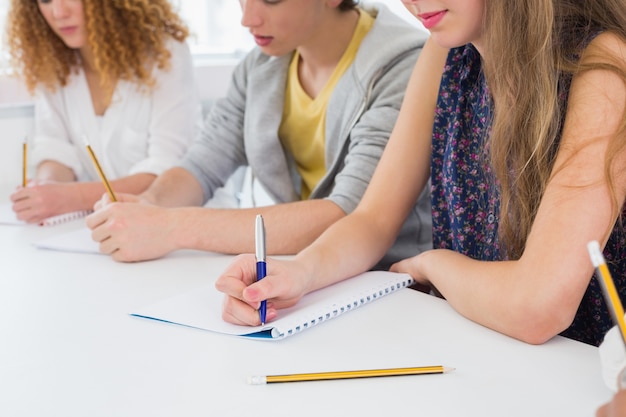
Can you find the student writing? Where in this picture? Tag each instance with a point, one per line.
(117, 73)
(523, 105)
(310, 110)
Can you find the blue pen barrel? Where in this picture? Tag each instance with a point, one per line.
(260, 274)
(260, 270)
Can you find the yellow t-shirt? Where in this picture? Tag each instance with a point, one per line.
(302, 129)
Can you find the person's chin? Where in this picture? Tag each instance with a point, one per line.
(73, 42)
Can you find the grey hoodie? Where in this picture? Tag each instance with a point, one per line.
(242, 127)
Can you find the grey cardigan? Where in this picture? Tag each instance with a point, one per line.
(242, 127)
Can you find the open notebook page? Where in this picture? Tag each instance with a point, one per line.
(201, 308)
(78, 240)
(7, 216)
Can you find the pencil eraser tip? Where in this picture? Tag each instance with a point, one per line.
(256, 380)
(595, 253)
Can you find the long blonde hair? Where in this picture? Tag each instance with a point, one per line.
(127, 38)
(537, 42)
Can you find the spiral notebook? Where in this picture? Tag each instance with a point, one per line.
(64, 218)
(7, 216)
(201, 308)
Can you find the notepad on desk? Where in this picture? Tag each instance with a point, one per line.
(201, 308)
(7, 217)
(78, 240)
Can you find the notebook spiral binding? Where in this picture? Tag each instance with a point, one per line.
(338, 309)
(64, 218)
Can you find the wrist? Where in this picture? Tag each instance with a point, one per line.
(148, 197)
(310, 272)
(176, 230)
(82, 201)
(428, 267)
(183, 231)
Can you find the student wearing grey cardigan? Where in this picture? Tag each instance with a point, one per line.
(242, 129)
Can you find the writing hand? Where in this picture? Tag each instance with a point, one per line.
(133, 231)
(282, 287)
(40, 200)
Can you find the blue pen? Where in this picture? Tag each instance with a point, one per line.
(259, 239)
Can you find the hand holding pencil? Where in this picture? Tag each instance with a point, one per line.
(616, 310)
(40, 198)
(54, 191)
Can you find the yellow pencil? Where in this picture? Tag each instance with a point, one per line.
(369, 373)
(100, 172)
(608, 287)
(24, 163)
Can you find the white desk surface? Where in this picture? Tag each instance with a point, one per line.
(69, 348)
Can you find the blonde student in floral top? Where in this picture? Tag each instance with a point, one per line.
(519, 122)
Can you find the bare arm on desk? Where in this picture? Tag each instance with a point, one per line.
(139, 231)
(536, 297)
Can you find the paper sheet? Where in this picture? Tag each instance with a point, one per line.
(7, 216)
(201, 308)
(75, 241)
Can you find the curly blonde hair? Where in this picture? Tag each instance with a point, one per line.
(535, 44)
(127, 37)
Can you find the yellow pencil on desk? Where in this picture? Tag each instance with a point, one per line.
(608, 287)
(100, 171)
(368, 373)
(25, 162)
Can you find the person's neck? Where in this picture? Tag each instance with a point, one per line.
(88, 59)
(326, 48)
(100, 93)
(320, 57)
(480, 48)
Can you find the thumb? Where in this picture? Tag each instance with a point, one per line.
(103, 202)
(277, 285)
(258, 291)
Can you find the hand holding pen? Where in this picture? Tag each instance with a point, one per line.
(247, 295)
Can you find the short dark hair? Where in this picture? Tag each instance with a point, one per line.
(348, 4)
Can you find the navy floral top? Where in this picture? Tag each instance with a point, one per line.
(465, 197)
